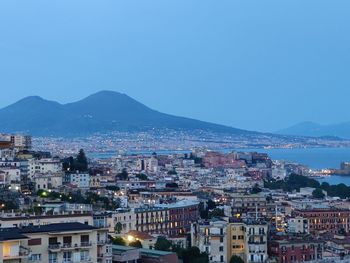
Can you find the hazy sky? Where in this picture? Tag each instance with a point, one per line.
(260, 65)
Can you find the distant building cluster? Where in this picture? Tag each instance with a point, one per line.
(173, 207)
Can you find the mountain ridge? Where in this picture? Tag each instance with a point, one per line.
(313, 129)
(103, 111)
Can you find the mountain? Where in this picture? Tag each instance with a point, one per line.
(105, 111)
(341, 130)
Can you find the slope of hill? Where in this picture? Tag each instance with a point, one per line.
(341, 130)
(104, 111)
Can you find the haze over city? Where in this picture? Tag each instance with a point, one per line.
(257, 65)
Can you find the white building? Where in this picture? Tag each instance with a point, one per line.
(298, 225)
(211, 237)
(10, 175)
(80, 180)
(47, 165)
(46, 181)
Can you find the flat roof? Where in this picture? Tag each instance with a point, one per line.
(155, 252)
(9, 234)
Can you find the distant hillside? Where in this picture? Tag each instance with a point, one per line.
(104, 111)
(341, 130)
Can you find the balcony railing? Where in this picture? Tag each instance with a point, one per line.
(85, 259)
(85, 244)
(69, 246)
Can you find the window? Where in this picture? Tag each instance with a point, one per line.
(67, 255)
(234, 237)
(52, 257)
(221, 258)
(221, 248)
(67, 240)
(84, 255)
(35, 257)
(84, 239)
(52, 240)
(34, 242)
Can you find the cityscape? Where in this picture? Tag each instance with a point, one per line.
(196, 205)
(186, 131)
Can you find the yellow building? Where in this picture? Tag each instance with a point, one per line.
(236, 240)
(53, 243)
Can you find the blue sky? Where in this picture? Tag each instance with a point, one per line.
(260, 65)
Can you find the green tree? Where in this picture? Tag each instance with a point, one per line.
(236, 259)
(318, 193)
(136, 243)
(217, 212)
(162, 244)
(142, 177)
(203, 212)
(123, 175)
(193, 255)
(171, 185)
(118, 228)
(172, 172)
(81, 163)
(211, 204)
(256, 189)
(119, 241)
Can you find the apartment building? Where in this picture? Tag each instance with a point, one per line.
(254, 205)
(297, 225)
(169, 219)
(211, 237)
(46, 181)
(256, 241)
(326, 220)
(222, 240)
(236, 243)
(292, 249)
(79, 180)
(43, 166)
(8, 220)
(53, 243)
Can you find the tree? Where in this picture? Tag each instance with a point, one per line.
(142, 177)
(318, 193)
(162, 244)
(118, 228)
(172, 172)
(136, 243)
(81, 163)
(203, 212)
(217, 212)
(236, 259)
(119, 241)
(171, 185)
(123, 175)
(193, 255)
(211, 204)
(256, 189)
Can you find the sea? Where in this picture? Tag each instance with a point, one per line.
(315, 158)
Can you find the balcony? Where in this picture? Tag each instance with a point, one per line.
(85, 259)
(104, 255)
(23, 253)
(84, 244)
(102, 242)
(256, 242)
